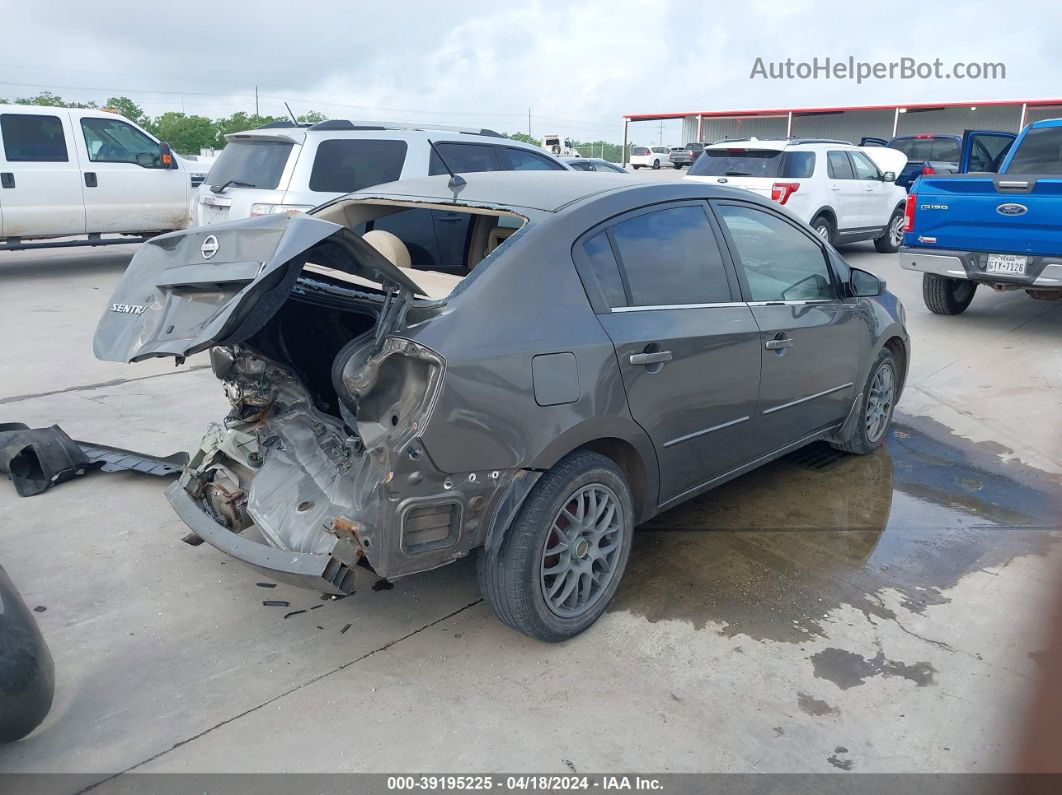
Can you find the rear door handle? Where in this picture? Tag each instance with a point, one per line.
(658, 357)
(778, 344)
(90, 179)
(7, 180)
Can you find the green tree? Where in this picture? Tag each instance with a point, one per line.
(51, 100)
(312, 117)
(524, 137)
(186, 134)
(126, 107)
(240, 122)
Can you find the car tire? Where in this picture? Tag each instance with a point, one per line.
(875, 409)
(889, 243)
(635, 167)
(824, 229)
(945, 296)
(656, 165)
(677, 165)
(516, 580)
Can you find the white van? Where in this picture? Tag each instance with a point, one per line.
(67, 172)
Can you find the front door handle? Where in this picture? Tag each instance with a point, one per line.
(7, 180)
(90, 179)
(657, 357)
(779, 343)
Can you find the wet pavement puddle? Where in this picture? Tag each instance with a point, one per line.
(771, 553)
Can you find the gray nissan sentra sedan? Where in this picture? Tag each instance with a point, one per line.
(599, 349)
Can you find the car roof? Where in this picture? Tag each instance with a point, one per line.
(539, 190)
(346, 128)
(1047, 123)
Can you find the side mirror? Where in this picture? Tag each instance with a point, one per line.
(864, 284)
(888, 176)
(166, 156)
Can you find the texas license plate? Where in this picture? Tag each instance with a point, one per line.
(1006, 263)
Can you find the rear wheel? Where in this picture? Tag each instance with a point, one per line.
(889, 243)
(875, 411)
(823, 227)
(562, 559)
(944, 296)
(635, 167)
(656, 165)
(677, 165)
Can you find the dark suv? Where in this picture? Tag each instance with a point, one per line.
(611, 349)
(686, 155)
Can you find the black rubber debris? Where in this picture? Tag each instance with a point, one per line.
(276, 603)
(192, 540)
(39, 609)
(344, 629)
(266, 584)
(382, 585)
(293, 613)
(320, 627)
(316, 606)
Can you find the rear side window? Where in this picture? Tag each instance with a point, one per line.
(670, 257)
(255, 164)
(345, 165)
(1040, 152)
(838, 166)
(523, 160)
(464, 158)
(603, 265)
(32, 138)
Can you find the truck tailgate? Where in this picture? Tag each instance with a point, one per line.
(980, 212)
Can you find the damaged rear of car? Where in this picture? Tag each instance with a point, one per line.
(302, 319)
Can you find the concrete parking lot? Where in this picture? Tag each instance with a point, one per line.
(823, 614)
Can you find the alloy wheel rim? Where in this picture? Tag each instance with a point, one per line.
(823, 232)
(581, 552)
(896, 232)
(879, 402)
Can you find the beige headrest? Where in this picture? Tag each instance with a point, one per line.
(390, 246)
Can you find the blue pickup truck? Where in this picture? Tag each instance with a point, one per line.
(934, 153)
(1002, 229)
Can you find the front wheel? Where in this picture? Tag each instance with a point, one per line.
(944, 296)
(889, 242)
(875, 411)
(562, 559)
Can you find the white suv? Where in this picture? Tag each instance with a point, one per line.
(844, 192)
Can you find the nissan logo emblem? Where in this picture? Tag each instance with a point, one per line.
(210, 246)
(1012, 209)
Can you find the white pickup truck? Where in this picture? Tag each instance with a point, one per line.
(71, 173)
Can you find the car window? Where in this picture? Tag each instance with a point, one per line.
(987, 151)
(32, 138)
(780, 262)
(945, 149)
(608, 168)
(257, 164)
(523, 160)
(660, 150)
(918, 149)
(741, 162)
(1040, 152)
(115, 141)
(603, 265)
(838, 165)
(464, 158)
(580, 165)
(640, 150)
(670, 257)
(343, 165)
(864, 166)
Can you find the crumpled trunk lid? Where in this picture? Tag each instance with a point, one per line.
(190, 290)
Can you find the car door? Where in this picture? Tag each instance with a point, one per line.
(984, 150)
(810, 336)
(846, 192)
(127, 185)
(877, 199)
(40, 182)
(688, 350)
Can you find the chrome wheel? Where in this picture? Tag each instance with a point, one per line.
(896, 230)
(823, 231)
(879, 402)
(580, 556)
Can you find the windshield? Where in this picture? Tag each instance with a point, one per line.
(753, 163)
(257, 164)
(1040, 152)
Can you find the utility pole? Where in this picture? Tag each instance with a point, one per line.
(661, 134)
(529, 123)
(256, 104)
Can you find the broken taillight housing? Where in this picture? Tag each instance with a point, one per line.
(781, 191)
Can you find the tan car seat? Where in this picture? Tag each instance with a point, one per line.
(435, 284)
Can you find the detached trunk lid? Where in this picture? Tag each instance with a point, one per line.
(190, 290)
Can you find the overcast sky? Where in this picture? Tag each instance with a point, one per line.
(578, 66)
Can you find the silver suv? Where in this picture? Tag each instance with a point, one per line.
(286, 168)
